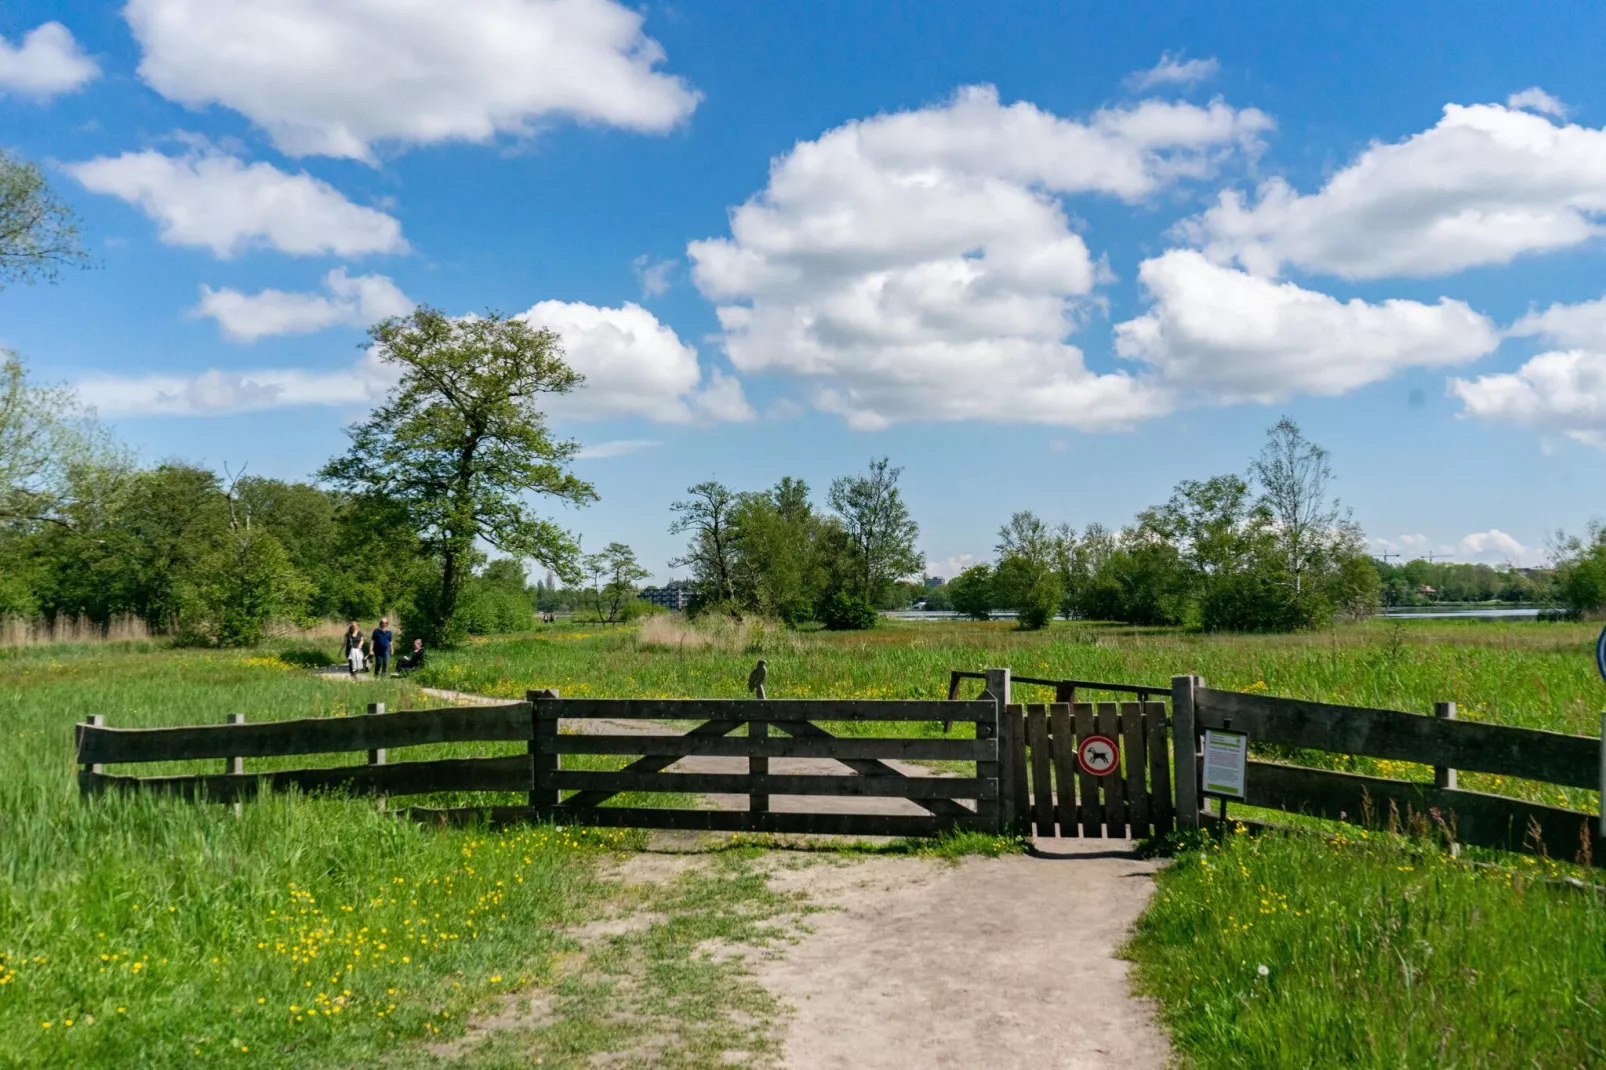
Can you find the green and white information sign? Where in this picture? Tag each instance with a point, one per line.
(1225, 755)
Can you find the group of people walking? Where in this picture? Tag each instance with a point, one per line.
(373, 651)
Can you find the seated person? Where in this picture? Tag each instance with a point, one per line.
(415, 660)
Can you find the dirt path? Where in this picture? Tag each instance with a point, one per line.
(1002, 963)
(998, 963)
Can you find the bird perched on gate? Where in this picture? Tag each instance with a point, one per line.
(756, 678)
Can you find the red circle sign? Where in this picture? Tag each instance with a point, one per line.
(1098, 755)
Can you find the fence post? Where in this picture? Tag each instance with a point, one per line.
(235, 766)
(88, 774)
(1185, 750)
(543, 761)
(377, 757)
(756, 766)
(1444, 775)
(1004, 768)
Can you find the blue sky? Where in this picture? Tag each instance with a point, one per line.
(1041, 256)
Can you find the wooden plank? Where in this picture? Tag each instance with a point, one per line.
(1477, 818)
(1468, 745)
(1088, 785)
(1185, 752)
(309, 735)
(1114, 788)
(89, 773)
(544, 759)
(1444, 775)
(758, 768)
(1020, 783)
(649, 764)
(1159, 768)
(1134, 741)
(746, 709)
(885, 787)
(745, 821)
(957, 750)
(988, 811)
(870, 767)
(1042, 764)
(1062, 741)
(510, 773)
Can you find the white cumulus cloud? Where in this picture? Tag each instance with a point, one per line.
(219, 392)
(621, 447)
(1485, 185)
(1562, 392)
(921, 265)
(1234, 337)
(217, 201)
(1492, 547)
(47, 62)
(653, 275)
(354, 301)
(338, 77)
(1581, 326)
(635, 365)
(1535, 99)
(1173, 70)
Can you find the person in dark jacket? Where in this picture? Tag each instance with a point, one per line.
(415, 660)
(379, 647)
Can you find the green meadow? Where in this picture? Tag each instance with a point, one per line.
(314, 931)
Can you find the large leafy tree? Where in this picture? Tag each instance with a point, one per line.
(708, 514)
(880, 532)
(462, 441)
(38, 232)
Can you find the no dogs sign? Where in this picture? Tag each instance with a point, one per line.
(1098, 755)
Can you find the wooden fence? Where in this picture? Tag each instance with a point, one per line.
(579, 796)
(1052, 791)
(1442, 741)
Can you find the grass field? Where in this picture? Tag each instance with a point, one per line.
(146, 932)
(140, 931)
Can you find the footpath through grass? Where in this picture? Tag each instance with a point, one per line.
(138, 931)
(1367, 951)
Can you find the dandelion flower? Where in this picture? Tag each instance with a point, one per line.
(1263, 970)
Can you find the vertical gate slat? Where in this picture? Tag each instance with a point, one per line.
(1137, 768)
(1159, 768)
(1063, 739)
(1114, 796)
(1092, 816)
(1042, 779)
(1017, 760)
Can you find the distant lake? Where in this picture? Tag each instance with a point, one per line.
(1424, 613)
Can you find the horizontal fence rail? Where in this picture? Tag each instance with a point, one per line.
(1066, 687)
(1443, 742)
(856, 767)
(866, 773)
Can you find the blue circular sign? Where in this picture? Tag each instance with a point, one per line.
(1600, 654)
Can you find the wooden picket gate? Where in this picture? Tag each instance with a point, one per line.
(1052, 792)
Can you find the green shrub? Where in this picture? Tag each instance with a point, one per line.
(844, 612)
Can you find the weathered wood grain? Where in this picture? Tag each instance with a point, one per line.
(1477, 818)
(746, 821)
(1062, 739)
(1114, 787)
(1185, 751)
(511, 773)
(753, 746)
(1020, 781)
(310, 735)
(1042, 764)
(1467, 745)
(886, 787)
(1091, 805)
(745, 709)
(1135, 745)
(1159, 768)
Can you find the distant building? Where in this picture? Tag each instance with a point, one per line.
(934, 581)
(676, 595)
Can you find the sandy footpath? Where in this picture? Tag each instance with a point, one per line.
(993, 962)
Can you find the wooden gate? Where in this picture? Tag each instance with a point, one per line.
(1054, 795)
(854, 767)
